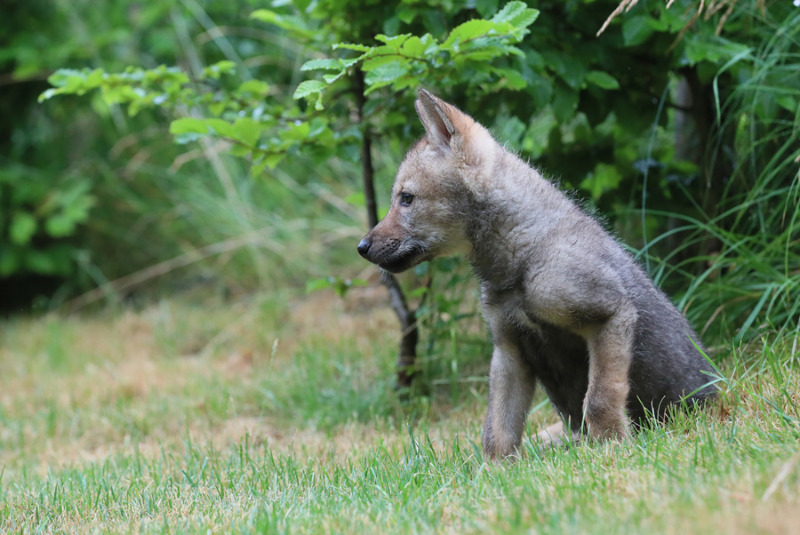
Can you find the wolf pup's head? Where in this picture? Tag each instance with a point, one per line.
(426, 218)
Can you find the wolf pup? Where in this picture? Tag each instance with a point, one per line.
(566, 305)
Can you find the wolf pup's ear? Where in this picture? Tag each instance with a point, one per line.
(438, 126)
(449, 129)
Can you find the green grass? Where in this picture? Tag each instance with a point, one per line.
(278, 415)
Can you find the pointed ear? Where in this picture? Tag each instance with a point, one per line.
(434, 115)
(451, 130)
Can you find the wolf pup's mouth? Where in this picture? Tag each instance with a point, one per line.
(403, 259)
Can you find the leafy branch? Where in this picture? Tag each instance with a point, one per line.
(406, 60)
(265, 130)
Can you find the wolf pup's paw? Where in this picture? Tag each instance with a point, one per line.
(499, 450)
(555, 436)
(615, 431)
(605, 422)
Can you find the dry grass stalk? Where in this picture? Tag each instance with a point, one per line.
(708, 11)
(625, 6)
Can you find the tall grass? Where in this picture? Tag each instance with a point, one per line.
(750, 282)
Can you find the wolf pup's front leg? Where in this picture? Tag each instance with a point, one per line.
(511, 388)
(610, 355)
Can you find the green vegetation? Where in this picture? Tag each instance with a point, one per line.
(186, 364)
(263, 416)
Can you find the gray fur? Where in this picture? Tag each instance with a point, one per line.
(566, 305)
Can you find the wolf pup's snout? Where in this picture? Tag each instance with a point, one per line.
(363, 247)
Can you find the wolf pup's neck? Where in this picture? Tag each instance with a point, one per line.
(509, 199)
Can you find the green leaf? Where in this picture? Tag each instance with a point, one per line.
(59, 226)
(330, 78)
(419, 292)
(73, 82)
(536, 139)
(23, 227)
(511, 78)
(509, 130)
(713, 49)
(541, 89)
(217, 108)
(787, 102)
(603, 179)
(327, 64)
(10, 260)
(486, 7)
(481, 57)
(636, 29)
(309, 87)
(319, 128)
(393, 42)
(471, 29)
(221, 127)
(416, 47)
(189, 128)
(240, 151)
(257, 88)
(216, 70)
(341, 286)
(319, 284)
(603, 80)
(48, 94)
(568, 68)
(271, 160)
(407, 14)
(517, 14)
(385, 75)
(352, 46)
(266, 161)
(188, 125)
(565, 102)
(373, 63)
(247, 131)
(40, 262)
(190, 137)
(291, 24)
(78, 210)
(296, 132)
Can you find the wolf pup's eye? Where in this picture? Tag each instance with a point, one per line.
(406, 199)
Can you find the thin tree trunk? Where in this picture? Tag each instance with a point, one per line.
(409, 335)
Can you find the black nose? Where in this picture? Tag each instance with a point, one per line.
(363, 247)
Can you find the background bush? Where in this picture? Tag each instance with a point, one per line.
(679, 124)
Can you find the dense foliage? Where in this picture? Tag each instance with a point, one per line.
(679, 121)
